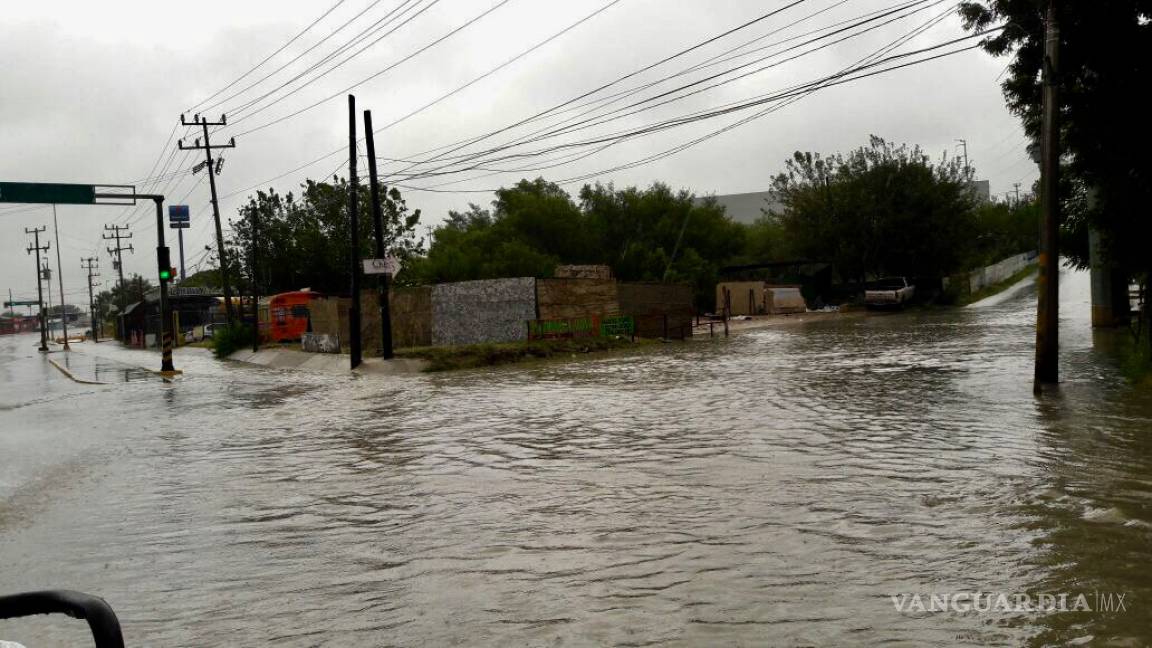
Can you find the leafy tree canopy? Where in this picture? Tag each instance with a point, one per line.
(1105, 56)
(651, 234)
(879, 210)
(304, 241)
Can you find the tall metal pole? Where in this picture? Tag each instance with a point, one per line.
(354, 232)
(180, 237)
(378, 223)
(60, 278)
(1048, 279)
(35, 231)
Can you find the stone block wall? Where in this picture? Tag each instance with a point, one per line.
(490, 310)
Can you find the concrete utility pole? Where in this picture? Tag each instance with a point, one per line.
(1017, 186)
(964, 145)
(212, 169)
(378, 223)
(35, 232)
(1048, 280)
(60, 278)
(118, 254)
(90, 264)
(46, 275)
(354, 233)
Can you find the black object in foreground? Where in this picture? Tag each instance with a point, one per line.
(99, 615)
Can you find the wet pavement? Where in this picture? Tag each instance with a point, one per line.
(774, 488)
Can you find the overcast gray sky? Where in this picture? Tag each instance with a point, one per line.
(90, 92)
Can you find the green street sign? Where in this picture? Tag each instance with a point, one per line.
(47, 192)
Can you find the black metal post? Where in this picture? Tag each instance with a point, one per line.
(378, 223)
(255, 285)
(180, 238)
(162, 256)
(354, 233)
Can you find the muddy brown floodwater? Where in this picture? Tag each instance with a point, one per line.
(776, 488)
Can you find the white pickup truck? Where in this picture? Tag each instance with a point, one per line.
(888, 292)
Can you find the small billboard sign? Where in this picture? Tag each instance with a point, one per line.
(178, 213)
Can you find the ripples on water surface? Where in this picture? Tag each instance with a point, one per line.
(771, 489)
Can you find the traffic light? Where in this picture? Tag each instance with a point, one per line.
(165, 263)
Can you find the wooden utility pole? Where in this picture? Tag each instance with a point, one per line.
(212, 169)
(90, 264)
(354, 233)
(35, 232)
(378, 223)
(1048, 280)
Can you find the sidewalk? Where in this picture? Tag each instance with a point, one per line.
(91, 369)
(335, 363)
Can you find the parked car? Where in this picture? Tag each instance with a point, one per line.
(889, 292)
(209, 329)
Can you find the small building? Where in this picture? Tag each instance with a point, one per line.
(192, 308)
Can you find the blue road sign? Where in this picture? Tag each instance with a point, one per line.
(178, 213)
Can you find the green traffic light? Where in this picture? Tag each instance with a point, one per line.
(165, 275)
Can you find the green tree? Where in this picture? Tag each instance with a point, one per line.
(1105, 54)
(305, 242)
(652, 234)
(131, 291)
(879, 210)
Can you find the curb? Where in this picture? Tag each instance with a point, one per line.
(71, 375)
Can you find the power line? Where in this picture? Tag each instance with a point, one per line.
(327, 57)
(374, 75)
(620, 79)
(473, 156)
(267, 58)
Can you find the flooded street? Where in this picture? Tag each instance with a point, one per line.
(775, 488)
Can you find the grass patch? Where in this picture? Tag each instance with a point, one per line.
(229, 340)
(471, 356)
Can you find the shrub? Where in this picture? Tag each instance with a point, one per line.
(227, 341)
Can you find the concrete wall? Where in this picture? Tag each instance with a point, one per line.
(411, 316)
(330, 317)
(649, 303)
(977, 279)
(570, 298)
(784, 300)
(740, 302)
(583, 272)
(491, 310)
